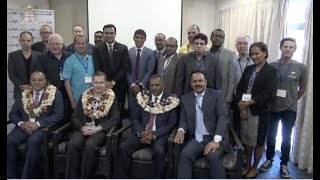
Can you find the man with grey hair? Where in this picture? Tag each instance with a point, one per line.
(43, 45)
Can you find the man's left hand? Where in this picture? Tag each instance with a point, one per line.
(31, 127)
(211, 146)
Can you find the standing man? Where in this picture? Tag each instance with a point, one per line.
(142, 66)
(96, 113)
(203, 127)
(41, 105)
(227, 64)
(112, 58)
(159, 41)
(290, 88)
(98, 38)
(167, 65)
(150, 128)
(191, 31)
(43, 45)
(78, 71)
(199, 60)
(243, 60)
(77, 30)
(21, 63)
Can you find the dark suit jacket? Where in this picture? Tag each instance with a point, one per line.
(115, 69)
(52, 115)
(165, 122)
(187, 65)
(17, 71)
(215, 114)
(39, 46)
(78, 118)
(155, 52)
(263, 89)
(169, 75)
(50, 68)
(71, 49)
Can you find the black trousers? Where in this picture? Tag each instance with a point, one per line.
(132, 144)
(82, 155)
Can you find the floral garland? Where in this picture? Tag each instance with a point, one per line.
(46, 100)
(164, 105)
(103, 107)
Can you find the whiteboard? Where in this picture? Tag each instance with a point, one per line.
(153, 16)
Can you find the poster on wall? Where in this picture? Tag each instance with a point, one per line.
(19, 20)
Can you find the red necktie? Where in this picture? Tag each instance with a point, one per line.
(151, 119)
(36, 100)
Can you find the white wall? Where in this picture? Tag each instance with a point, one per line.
(17, 4)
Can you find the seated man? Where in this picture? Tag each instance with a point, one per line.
(153, 121)
(96, 112)
(204, 118)
(41, 105)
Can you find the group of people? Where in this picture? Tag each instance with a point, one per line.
(193, 90)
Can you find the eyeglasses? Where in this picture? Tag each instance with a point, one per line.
(217, 36)
(43, 33)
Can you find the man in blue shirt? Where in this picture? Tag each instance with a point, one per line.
(78, 71)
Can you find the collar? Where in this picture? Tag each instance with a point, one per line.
(160, 51)
(159, 97)
(34, 92)
(219, 50)
(239, 59)
(112, 44)
(85, 57)
(51, 55)
(202, 94)
(139, 48)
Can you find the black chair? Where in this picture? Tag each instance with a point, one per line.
(47, 150)
(232, 161)
(60, 140)
(141, 159)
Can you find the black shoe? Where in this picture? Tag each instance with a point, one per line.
(284, 172)
(266, 166)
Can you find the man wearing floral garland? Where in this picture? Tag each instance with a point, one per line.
(96, 112)
(40, 106)
(153, 121)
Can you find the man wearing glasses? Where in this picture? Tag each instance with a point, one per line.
(43, 46)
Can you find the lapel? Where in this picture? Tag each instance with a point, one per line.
(161, 65)
(263, 69)
(206, 63)
(205, 101)
(143, 55)
(192, 106)
(174, 58)
(21, 63)
(191, 62)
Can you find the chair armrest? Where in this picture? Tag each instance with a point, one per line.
(239, 149)
(176, 155)
(121, 130)
(58, 133)
(9, 121)
(170, 154)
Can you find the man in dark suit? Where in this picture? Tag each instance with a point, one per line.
(167, 65)
(43, 45)
(159, 41)
(199, 60)
(21, 63)
(142, 66)
(40, 106)
(112, 58)
(149, 129)
(203, 127)
(90, 128)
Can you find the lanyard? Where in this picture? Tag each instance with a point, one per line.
(240, 64)
(284, 78)
(86, 68)
(252, 77)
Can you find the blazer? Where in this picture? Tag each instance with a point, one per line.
(17, 70)
(215, 114)
(79, 119)
(227, 64)
(187, 65)
(169, 75)
(146, 66)
(49, 66)
(39, 46)
(263, 89)
(115, 69)
(53, 114)
(165, 122)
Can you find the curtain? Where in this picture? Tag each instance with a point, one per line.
(302, 148)
(262, 21)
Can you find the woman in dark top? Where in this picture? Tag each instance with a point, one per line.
(255, 92)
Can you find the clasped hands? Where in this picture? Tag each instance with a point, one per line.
(146, 137)
(29, 126)
(243, 108)
(88, 130)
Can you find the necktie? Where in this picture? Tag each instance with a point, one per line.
(151, 118)
(198, 131)
(137, 65)
(165, 65)
(110, 52)
(36, 100)
(159, 55)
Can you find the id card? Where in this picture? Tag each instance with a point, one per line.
(87, 79)
(281, 93)
(246, 97)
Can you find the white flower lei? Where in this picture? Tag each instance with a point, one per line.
(46, 100)
(102, 109)
(164, 105)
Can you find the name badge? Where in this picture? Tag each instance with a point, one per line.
(281, 93)
(246, 97)
(61, 76)
(88, 79)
